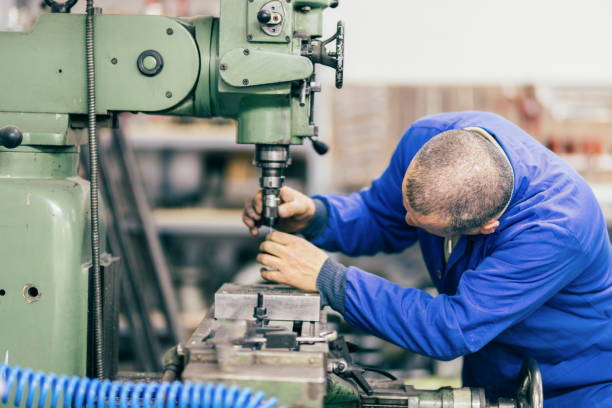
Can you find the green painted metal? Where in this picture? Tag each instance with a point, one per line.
(265, 121)
(300, 123)
(254, 31)
(39, 162)
(206, 30)
(244, 67)
(149, 62)
(47, 129)
(310, 23)
(266, 113)
(44, 244)
(340, 393)
(44, 70)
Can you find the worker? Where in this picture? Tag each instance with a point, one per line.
(514, 241)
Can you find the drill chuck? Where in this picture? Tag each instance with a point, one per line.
(272, 159)
(270, 207)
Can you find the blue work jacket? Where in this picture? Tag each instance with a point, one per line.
(540, 286)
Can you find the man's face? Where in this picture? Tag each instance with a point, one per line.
(430, 223)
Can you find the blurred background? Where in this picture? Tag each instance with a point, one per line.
(543, 64)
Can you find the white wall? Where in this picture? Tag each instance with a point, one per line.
(477, 41)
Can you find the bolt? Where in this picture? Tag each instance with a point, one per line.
(223, 67)
(168, 94)
(245, 82)
(287, 38)
(249, 37)
(246, 51)
(169, 31)
(114, 61)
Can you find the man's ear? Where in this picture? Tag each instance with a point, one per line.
(489, 227)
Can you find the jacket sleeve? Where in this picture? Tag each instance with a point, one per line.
(506, 287)
(372, 220)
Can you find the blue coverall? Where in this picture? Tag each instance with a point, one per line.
(540, 286)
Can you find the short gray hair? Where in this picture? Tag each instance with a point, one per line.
(461, 177)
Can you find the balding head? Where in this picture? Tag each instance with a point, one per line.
(460, 178)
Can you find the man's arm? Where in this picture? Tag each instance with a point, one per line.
(515, 280)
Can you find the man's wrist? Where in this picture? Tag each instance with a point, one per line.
(331, 284)
(318, 223)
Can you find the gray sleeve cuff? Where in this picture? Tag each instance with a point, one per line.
(318, 223)
(331, 283)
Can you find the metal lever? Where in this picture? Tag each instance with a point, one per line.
(320, 147)
(10, 137)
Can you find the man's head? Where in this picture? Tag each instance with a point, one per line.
(458, 183)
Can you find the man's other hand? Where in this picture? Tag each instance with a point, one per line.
(295, 212)
(293, 261)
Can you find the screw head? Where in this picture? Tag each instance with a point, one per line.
(287, 38)
(169, 31)
(168, 94)
(249, 37)
(114, 61)
(245, 82)
(246, 51)
(222, 67)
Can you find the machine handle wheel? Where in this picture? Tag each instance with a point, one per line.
(336, 59)
(340, 55)
(530, 393)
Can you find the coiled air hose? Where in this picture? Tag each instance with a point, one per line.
(39, 388)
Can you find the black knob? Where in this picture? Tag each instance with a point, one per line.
(334, 3)
(264, 16)
(10, 137)
(150, 63)
(320, 147)
(60, 7)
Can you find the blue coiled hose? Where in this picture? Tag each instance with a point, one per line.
(78, 392)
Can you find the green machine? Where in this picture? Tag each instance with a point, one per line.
(254, 63)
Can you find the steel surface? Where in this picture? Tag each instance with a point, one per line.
(283, 303)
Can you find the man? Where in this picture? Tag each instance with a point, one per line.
(513, 238)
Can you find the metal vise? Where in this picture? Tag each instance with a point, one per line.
(274, 338)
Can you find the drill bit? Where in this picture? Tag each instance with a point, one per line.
(267, 230)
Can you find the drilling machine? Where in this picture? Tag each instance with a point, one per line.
(254, 63)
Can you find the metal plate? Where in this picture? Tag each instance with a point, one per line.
(44, 70)
(283, 303)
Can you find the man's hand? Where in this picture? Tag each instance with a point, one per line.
(295, 212)
(296, 262)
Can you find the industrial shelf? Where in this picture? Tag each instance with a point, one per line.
(200, 221)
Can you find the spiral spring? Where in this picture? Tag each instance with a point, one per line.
(78, 392)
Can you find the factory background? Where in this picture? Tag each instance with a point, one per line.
(544, 65)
